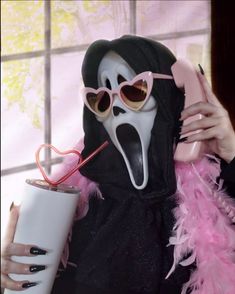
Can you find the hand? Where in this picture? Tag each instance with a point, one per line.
(215, 127)
(9, 249)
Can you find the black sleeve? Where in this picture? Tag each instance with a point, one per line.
(228, 175)
(64, 281)
(82, 235)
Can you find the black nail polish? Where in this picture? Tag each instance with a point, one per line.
(201, 69)
(36, 268)
(181, 140)
(37, 251)
(12, 205)
(28, 285)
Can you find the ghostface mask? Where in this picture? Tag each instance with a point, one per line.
(124, 105)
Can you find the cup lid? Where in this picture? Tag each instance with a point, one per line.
(63, 188)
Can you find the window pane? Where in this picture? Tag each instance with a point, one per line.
(195, 49)
(22, 26)
(22, 110)
(67, 104)
(82, 22)
(159, 17)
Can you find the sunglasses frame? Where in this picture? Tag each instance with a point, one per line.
(147, 76)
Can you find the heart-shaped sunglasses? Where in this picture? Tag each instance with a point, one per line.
(133, 94)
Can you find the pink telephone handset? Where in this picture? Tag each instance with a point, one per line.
(185, 77)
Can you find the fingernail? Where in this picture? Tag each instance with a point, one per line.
(36, 268)
(12, 205)
(37, 251)
(28, 285)
(181, 140)
(201, 69)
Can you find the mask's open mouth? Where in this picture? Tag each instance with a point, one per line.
(130, 143)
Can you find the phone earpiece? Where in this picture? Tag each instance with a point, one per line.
(185, 77)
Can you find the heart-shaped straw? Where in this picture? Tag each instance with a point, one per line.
(80, 163)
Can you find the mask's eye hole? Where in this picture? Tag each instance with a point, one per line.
(121, 79)
(108, 84)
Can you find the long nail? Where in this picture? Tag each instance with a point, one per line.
(28, 285)
(12, 205)
(36, 268)
(181, 140)
(37, 251)
(201, 69)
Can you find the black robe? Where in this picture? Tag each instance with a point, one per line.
(119, 247)
(134, 260)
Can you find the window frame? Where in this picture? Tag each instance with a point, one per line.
(47, 54)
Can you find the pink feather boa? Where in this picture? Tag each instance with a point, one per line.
(203, 226)
(204, 229)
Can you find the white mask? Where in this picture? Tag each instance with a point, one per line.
(130, 131)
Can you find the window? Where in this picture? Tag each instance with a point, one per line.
(43, 44)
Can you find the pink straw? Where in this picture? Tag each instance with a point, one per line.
(66, 176)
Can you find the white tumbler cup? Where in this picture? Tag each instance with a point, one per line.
(45, 219)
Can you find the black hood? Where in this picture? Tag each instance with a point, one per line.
(108, 168)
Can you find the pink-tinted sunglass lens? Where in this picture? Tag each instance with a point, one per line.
(100, 102)
(135, 93)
